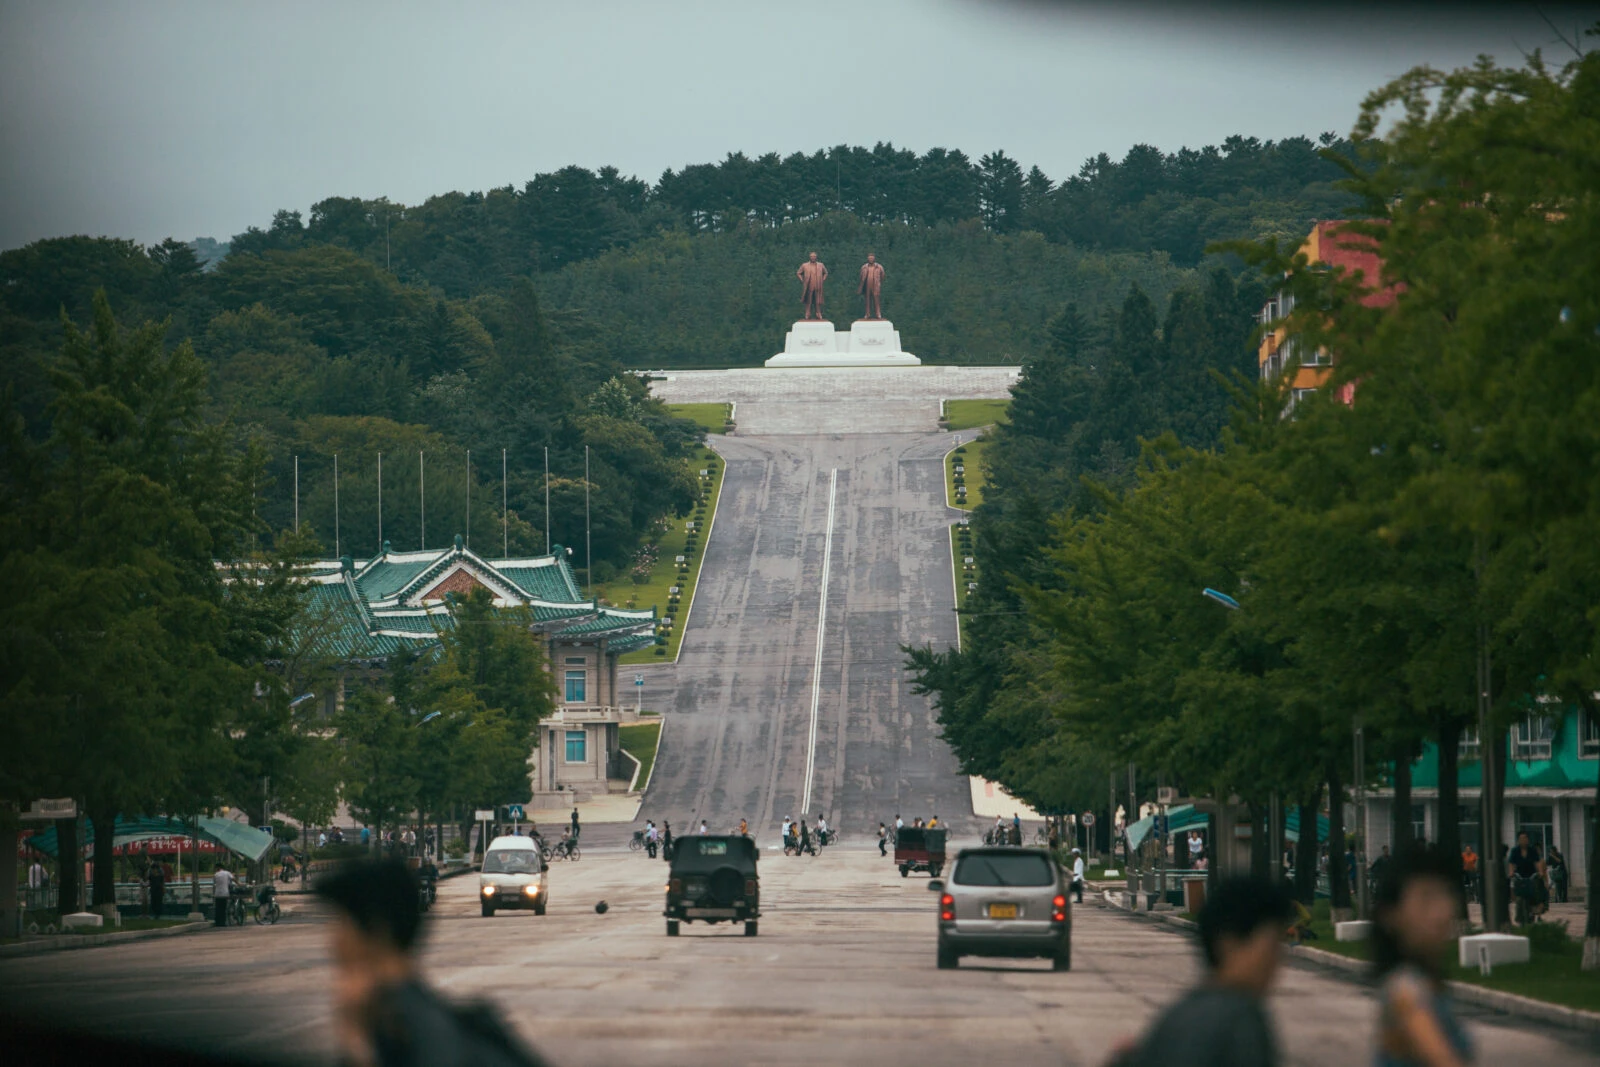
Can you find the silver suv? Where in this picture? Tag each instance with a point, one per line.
(1004, 902)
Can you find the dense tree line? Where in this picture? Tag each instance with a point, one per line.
(141, 677)
(316, 351)
(1408, 561)
(980, 251)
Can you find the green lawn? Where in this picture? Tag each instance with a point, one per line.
(623, 592)
(640, 742)
(966, 414)
(970, 457)
(1555, 973)
(712, 418)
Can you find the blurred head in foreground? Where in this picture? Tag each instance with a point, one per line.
(377, 925)
(1414, 912)
(1241, 927)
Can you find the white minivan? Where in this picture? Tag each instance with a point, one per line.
(513, 876)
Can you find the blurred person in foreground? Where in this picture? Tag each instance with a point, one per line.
(1413, 920)
(384, 1016)
(1223, 1021)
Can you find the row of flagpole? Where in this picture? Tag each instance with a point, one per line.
(422, 491)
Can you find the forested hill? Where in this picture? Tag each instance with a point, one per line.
(698, 267)
(506, 319)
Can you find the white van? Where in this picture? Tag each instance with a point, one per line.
(513, 876)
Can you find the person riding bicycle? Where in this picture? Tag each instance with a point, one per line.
(822, 829)
(1525, 865)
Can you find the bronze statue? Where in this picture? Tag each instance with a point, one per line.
(871, 287)
(811, 274)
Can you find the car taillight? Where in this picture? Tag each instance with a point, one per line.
(1059, 909)
(947, 908)
(749, 887)
(675, 886)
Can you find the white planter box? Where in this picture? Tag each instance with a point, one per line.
(1502, 948)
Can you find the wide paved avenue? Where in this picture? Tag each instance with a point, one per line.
(754, 693)
(843, 972)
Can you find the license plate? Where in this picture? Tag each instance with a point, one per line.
(1002, 911)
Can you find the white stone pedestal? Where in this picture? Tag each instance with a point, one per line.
(1354, 930)
(1500, 948)
(869, 343)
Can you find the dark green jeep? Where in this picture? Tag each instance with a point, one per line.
(714, 879)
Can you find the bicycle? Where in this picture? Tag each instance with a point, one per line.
(636, 842)
(1041, 836)
(267, 909)
(236, 909)
(566, 850)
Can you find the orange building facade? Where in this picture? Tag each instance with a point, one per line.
(1331, 245)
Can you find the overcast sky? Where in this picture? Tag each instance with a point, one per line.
(161, 118)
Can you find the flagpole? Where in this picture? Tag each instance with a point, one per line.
(547, 500)
(422, 494)
(336, 506)
(297, 494)
(505, 514)
(588, 555)
(380, 503)
(468, 535)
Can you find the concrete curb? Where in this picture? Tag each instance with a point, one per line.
(1465, 992)
(67, 942)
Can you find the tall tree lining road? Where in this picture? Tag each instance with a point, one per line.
(736, 743)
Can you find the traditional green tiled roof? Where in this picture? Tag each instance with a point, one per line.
(373, 609)
(382, 578)
(621, 645)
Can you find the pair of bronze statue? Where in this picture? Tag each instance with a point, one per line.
(813, 273)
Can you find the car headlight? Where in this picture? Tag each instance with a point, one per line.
(531, 890)
(488, 890)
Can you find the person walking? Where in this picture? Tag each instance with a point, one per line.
(574, 820)
(221, 890)
(666, 840)
(744, 828)
(1413, 916)
(883, 840)
(1224, 1019)
(652, 839)
(1469, 872)
(805, 839)
(38, 881)
(788, 825)
(156, 887)
(1077, 874)
(704, 829)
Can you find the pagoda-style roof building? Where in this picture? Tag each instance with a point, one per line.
(364, 610)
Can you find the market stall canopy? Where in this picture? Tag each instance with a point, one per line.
(236, 837)
(1183, 817)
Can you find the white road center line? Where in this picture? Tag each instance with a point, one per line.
(822, 625)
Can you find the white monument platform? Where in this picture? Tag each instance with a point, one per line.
(868, 343)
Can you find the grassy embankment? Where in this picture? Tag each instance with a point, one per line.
(675, 540)
(712, 418)
(967, 414)
(640, 742)
(1554, 974)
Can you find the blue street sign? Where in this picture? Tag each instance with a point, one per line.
(514, 812)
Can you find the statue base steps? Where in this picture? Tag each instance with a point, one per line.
(868, 343)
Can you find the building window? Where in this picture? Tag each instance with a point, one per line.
(1589, 737)
(1470, 746)
(1538, 822)
(1532, 737)
(1471, 826)
(1419, 822)
(577, 686)
(576, 661)
(577, 746)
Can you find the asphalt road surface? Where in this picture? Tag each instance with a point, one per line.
(757, 701)
(842, 972)
(766, 719)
